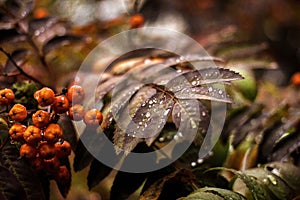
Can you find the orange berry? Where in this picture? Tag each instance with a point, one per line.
(76, 112)
(63, 175)
(41, 118)
(18, 113)
(61, 104)
(40, 13)
(27, 151)
(51, 165)
(137, 21)
(296, 79)
(93, 118)
(6, 96)
(37, 163)
(75, 94)
(32, 135)
(46, 150)
(44, 96)
(53, 133)
(16, 132)
(63, 149)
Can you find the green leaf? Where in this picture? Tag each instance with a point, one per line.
(202, 196)
(200, 77)
(26, 177)
(64, 186)
(257, 191)
(124, 142)
(24, 92)
(10, 187)
(82, 156)
(60, 41)
(275, 184)
(180, 181)
(14, 10)
(225, 194)
(69, 132)
(204, 93)
(98, 171)
(125, 184)
(44, 29)
(287, 172)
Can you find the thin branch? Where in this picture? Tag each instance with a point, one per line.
(136, 6)
(19, 68)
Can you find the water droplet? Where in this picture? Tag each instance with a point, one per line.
(140, 123)
(193, 164)
(276, 172)
(148, 114)
(194, 83)
(203, 113)
(200, 160)
(150, 102)
(166, 112)
(147, 61)
(272, 179)
(220, 92)
(265, 181)
(210, 89)
(179, 134)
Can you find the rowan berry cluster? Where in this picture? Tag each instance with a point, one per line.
(38, 132)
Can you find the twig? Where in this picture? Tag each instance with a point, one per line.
(136, 6)
(4, 143)
(19, 68)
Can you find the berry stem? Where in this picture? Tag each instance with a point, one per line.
(4, 143)
(19, 68)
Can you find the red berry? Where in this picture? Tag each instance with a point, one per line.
(63, 175)
(27, 151)
(75, 94)
(46, 150)
(16, 132)
(136, 21)
(41, 118)
(18, 113)
(6, 96)
(93, 118)
(61, 104)
(44, 96)
(296, 79)
(52, 165)
(53, 133)
(37, 163)
(63, 149)
(32, 135)
(76, 112)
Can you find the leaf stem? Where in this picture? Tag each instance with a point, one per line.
(19, 68)
(4, 143)
(42, 59)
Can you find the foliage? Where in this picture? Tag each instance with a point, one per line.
(257, 156)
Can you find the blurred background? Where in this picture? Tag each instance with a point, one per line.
(275, 23)
(266, 31)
